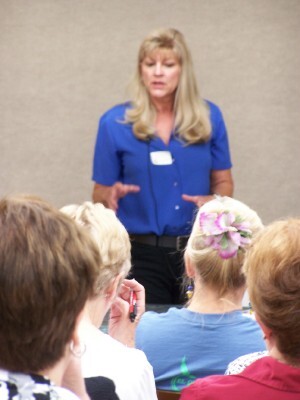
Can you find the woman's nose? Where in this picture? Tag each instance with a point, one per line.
(158, 69)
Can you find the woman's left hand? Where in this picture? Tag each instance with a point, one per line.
(120, 326)
(197, 200)
(221, 183)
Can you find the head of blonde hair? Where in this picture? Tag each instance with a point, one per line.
(272, 267)
(110, 236)
(192, 121)
(222, 274)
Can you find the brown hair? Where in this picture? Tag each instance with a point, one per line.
(272, 267)
(224, 275)
(47, 270)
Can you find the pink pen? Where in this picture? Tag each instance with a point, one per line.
(132, 306)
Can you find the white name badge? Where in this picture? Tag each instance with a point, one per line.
(161, 158)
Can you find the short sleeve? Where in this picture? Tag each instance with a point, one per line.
(219, 142)
(107, 164)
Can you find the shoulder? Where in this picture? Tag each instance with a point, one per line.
(249, 319)
(119, 350)
(239, 364)
(116, 113)
(157, 327)
(214, 111)
(13, 384)
(63, 394)
(151, 317)
(209, 387)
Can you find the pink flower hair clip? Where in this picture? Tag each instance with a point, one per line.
(224, 232)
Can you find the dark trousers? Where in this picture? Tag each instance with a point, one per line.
(160, 271)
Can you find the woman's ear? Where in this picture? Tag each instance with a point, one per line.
(113, 287)
(189, 267)
(266, 331)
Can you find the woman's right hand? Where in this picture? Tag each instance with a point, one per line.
(110, 195)
(121, 327)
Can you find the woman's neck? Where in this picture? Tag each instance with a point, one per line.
(163, 105)
(207, 301)
(275, 353)
(95, 310)
(55, 374)
(164, 125)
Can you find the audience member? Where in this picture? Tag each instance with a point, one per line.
(212, 330)
(104, 355)
(48, 266)
(272, 267)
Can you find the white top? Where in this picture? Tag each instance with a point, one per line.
(127, 367)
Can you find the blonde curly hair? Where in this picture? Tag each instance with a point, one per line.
(110, 236)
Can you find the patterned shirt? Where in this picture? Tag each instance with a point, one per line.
(19, 386)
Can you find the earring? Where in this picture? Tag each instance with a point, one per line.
(189, 292)
(77, 352)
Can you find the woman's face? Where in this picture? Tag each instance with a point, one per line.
(160, 72)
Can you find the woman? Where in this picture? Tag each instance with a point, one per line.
(272, 267)
(47, 270)
(157, 157)
(104, 355)
(202, 338)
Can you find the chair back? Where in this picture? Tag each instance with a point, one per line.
(167, 395)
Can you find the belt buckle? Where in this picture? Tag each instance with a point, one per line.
(181, 242)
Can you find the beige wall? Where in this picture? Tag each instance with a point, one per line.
(64, 62)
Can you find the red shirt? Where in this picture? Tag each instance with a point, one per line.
(266, 379)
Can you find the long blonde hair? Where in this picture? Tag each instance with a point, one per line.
(192, 122)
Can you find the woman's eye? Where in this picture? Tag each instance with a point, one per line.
(169, 65)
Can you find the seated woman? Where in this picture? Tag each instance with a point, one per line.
(104, 355)
(203, 337)
(48, 266)
(272, 267)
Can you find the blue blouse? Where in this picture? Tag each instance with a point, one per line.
(158, 208)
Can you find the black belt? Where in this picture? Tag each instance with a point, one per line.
(174, 242)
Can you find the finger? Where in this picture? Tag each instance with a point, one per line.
(113, 204)
(124, 292)
(123, 189)
(140, 294)
(192, 199)
(133, 284)
(131, 188)
(119, 308)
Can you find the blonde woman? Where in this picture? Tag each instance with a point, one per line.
(112, 356)
(272, 267)
(212, 330)
(157, 157)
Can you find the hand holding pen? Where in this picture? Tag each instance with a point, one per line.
(126, 311)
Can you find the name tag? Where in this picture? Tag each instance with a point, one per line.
(161, 158)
